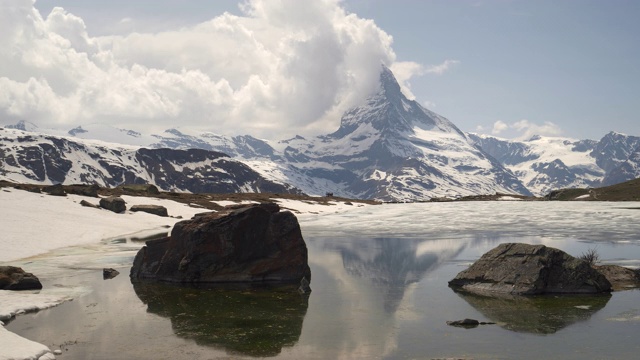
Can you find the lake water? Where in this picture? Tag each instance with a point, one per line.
(379, 280)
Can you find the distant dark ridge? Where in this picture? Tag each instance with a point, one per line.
(625, 191)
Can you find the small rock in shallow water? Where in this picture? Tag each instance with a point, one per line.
(467, 323)
(109, 273)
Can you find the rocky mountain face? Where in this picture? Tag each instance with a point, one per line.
(28, 157)
(547, 163)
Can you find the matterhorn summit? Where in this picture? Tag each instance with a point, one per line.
(397, 150)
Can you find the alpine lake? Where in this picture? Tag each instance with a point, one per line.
(374, 297)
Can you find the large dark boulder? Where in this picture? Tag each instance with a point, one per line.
(151, 209)
(522, 269)
(256, 243)
(14, 278)
(113, 203)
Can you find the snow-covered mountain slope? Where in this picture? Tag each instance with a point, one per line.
(547, 163)
(28, 157)
(624, 171)
(614, 149)
(394, 149)
(390, 148)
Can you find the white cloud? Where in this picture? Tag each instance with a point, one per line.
(523, 129)
(527, 129)
(406, 70)
(498, 127)
(441, 68)
(284, 67)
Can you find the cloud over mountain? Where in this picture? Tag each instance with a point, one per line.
(281, 65)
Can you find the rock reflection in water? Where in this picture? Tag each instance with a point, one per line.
(542, 314)
(249, 321)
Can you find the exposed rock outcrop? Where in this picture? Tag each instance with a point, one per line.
(147, 189)
(109, 273)
(113, 203)
(621, 278)
(256, 243)
(151, 209)
(14, 278)
(522, 269)
(55, 190)
(83, 190)
(85, 203)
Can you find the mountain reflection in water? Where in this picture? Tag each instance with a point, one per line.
(541, 314)
(392, 264)
(253, 322)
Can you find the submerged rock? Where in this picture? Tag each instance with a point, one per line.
(522, 269)
(256, 243)
(468, 323)
(14, 278)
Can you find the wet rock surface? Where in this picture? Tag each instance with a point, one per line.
(255, 243)
(523, 269)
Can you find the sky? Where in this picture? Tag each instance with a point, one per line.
(277, 68)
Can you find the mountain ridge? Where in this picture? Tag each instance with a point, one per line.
(393, 149)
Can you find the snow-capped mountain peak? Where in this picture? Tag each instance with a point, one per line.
(398, 150)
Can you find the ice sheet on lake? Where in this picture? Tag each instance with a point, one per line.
(588, 221)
